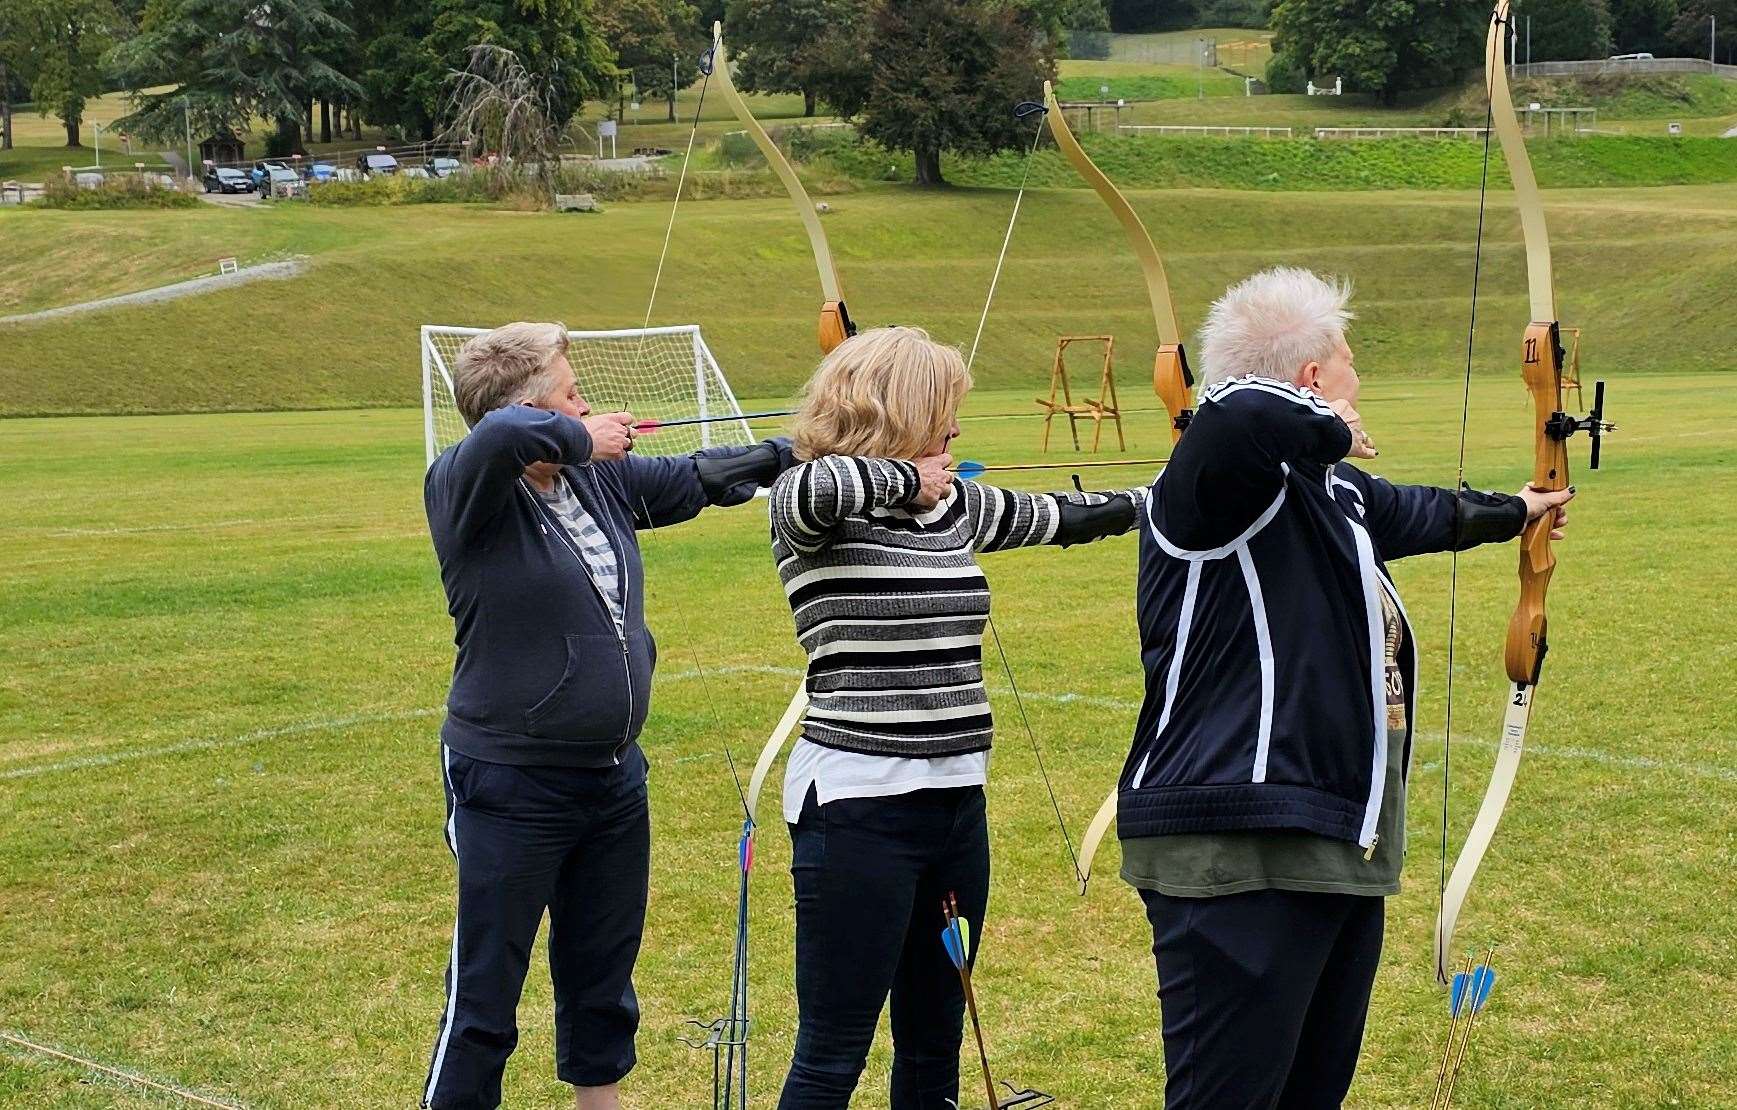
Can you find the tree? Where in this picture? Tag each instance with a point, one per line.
(657, 44)
(944, 75)
(71, 37)
(401, 75)
(1691, 32)
(226, 63)
(11, 50)
(1384, 47)
(777, 44)
(1641, 24)
(1564, 30)
(557, 40)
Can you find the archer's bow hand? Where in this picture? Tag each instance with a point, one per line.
(1541, 501)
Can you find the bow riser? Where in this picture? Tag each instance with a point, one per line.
(1541, 368)
(1171, 381)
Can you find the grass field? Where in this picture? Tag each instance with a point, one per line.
(1647, 272)
(222, 646)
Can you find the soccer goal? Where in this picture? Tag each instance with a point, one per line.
(656, 373)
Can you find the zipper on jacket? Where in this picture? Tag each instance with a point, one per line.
(566, 541)
(620, 632)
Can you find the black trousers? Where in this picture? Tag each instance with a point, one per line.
(577, 843)
(1264, 995)
(870, 874)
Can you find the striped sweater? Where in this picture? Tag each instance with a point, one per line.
(890, 603)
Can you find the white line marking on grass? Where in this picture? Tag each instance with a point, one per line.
(1714, 771)
(209, 743)
(117, 1073)
(64, 533)
(1607, 759)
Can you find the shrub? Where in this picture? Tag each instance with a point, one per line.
(117, 191)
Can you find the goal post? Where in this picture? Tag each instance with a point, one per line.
(665, 374)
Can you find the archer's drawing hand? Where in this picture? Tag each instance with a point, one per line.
(936, 478)
(611, 435)
(1538, 502)
(1362, 447)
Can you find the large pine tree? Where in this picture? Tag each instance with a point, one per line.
(226, 63)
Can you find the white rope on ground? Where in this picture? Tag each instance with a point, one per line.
(117, 1073)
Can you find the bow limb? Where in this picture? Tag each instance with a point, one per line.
(1541, 369)
(835, 323)
(775, 744)
(1171, 377)
(1095, 835)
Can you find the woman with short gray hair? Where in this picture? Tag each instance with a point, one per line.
(533, 516)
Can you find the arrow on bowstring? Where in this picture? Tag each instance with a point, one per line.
(956, 940)
(648, 427)
(971, 468)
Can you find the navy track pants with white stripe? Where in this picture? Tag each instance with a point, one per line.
(577, 843)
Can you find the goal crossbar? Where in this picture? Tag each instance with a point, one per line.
(663, 373)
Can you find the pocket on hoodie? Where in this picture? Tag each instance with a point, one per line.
(592, 700)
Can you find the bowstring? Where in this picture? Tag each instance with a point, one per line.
(675, 205)
(994, 633)
(1459, 484)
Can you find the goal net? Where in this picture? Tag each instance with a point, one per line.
(656, 373)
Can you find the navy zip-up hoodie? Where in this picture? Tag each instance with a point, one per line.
(542, 674)
(1261, 629)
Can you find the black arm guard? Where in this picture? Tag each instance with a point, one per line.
(1481, 518)
(1092, 516)
(732, 479)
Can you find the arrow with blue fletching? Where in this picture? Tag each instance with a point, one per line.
(971, 468)
(1468, 993)
(956, 939)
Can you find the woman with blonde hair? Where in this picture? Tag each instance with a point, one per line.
(876, 544)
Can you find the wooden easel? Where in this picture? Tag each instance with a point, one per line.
(1104, 407)
(1571, 368)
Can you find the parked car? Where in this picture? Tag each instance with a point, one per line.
(281, 181)
(262, 169)
(227, 179)
(1643, 56)
(415, 171)
(322, 171)
(444, 167)
(371, 164)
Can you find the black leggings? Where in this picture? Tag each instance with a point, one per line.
(870, 874)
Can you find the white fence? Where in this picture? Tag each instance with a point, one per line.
(1201, 129)
(1602, 67)
(1391, 132)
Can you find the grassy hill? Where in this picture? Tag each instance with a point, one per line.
(1648, 272)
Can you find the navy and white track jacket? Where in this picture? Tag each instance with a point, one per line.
(1261, 630)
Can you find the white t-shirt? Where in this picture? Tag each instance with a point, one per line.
(835, 774)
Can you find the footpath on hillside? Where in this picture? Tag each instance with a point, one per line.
(264, 271)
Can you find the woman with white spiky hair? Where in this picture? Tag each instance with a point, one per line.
(1262, 806)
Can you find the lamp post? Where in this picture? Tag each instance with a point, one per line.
(187, 121)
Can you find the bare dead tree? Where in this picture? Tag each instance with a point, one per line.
(496, 107)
